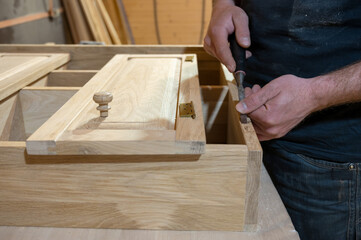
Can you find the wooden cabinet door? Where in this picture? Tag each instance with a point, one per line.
(17, 70)
(144, 118)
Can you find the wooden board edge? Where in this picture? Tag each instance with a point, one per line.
(55, 60)
(246, 134)
(189, 129)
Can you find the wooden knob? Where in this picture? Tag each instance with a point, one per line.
(103, 98)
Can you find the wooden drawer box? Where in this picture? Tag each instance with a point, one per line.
(217, 190)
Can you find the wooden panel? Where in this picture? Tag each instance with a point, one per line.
(95, 21)
(69, 78)
(244, 133)
(79, 27)
(118, 16)
(19, 70)
(141, 20)
(142, 120)
(39, 104)
(108, 22)
(168, 21)
(95, 57)
(7, 110)
(215, 112)
(207, 194)
(274, 224)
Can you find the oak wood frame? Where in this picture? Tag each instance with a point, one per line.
(246, 147)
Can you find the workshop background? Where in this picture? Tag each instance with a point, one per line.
(107, 21)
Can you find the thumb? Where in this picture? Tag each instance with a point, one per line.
(257, 100)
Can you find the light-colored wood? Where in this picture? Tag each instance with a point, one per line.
(19, 70)
(39, 104)
(7, 110)
(108, 22)
(198, 195)
(274, 224)
(215, 113)
(117, 14)
(17, 127)
(69, 78)
(78, 26)
(145, 90)
(244, 133)
(95, 57)
(95, 21)
(175, 22)
(27, 18)
(103, 98)
(191, 130)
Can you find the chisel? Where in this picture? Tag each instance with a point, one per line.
(239, 55)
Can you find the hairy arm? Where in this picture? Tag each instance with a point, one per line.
(284, 102)
(339, 87)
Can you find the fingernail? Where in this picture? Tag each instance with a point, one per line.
(245, 41)
(241, 107)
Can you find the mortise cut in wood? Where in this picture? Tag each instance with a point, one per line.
(20, 69)
(143, 119)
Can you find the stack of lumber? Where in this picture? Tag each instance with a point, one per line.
(98, 20)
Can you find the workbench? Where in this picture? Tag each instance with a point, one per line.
(204, 205)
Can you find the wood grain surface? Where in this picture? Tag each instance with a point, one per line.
(143, 117)
(95, 21)
(244, 133)
(274, 224)
(39, 104)
(178, 194)
(69, 78)
(18, 70)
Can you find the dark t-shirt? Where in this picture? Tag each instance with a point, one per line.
(309, 38)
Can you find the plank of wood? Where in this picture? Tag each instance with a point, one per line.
(119, 18)
(108, 22)
(95, 21)
(244, 133)
(143, 117)
(177, 194)
(19, 70)
(39, 104)
(7, 110)
(191, 130)
(69, 78)
(80, 30)
(95, 57)
(274, 224)
(17, 127)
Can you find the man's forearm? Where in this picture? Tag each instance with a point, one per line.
(339, 87)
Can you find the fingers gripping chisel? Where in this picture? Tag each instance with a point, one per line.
(239, 55)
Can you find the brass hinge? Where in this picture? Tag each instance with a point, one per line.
(187, 110)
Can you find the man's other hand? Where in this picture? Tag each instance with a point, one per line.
(226, 19)
(279, 106)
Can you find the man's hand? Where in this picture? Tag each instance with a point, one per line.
(279, 106)
(226, 19)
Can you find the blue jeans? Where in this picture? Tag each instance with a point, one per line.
(322, 198)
